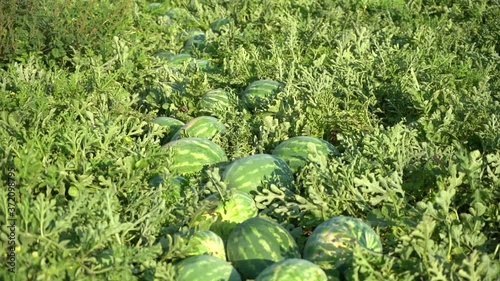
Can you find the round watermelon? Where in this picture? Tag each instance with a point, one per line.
(178, 59)
(258, 96)
(173, 125)
(295, 151)
(292, 270)
(223, 215)
(206, 242)
(331, 243)
(200, 127)
(205, 268)
(196, 42)
(219, 25)
(215, 102)
(258, 243)
(247, 173)
(190, 155)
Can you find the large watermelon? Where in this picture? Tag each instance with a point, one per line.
(331, 243)
(259, 95)
(223, 215)
(200, 127)
(293, 270)
(206, 242)
(195, 42)
(205, 268)
(295, 151)
(247, 173)
(190, 155)
(173, 125)
(215, 102)
(258, 243)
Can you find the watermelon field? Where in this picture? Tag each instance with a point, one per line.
(217, 140)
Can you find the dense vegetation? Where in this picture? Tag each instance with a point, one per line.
(408, 92)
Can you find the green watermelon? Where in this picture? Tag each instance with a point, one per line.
(200, 127)
(222, 216)
(215, 102)
(205, 268)
(219, 25)
(195, 42)
(292, 270)
(201, 64)
(178, 59)
(172, 124)
(259, 94)
(330, 244)
(190, 155)
(295, 151)
(206, 242)
(258, 243)
(247, 173)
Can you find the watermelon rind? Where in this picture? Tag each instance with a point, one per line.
(248, 173)
(296, 150)
(200, 127)
(190, 155)
(292, 270)
(215, 102)
(223, 215)
(331, 244)
(258, 243)
(206, 242)
(259, 94)
(205, 268)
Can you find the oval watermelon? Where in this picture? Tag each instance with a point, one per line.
(247, 173)
(190, 155)
(292, 270)
(219, 25)
(259, 94)
(258, 243)
(205, 268)
(295, 150)
(215, 102)
(200, 127)
(222, 216)
(206, 242)
(330, 244)
(172, 124)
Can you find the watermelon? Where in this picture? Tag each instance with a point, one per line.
(292, 270)
(331, 243)
(201, 64)
(205, 268)
(222, 216)
(196, 42)
(200, 127)
(259, 94)
(190, 155)
(219, 25)
(247, 173)
(215, 102)
(178, 59)
(206, 242)
(258, 243)
(295, 151)
(173, 125)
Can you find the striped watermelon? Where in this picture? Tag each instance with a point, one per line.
(200, 127)
(331, 243)
(190, 155)
(219, 25)
(258, 243)
(205, 268)
(295, 151)
(206, 242)
(292, 270)
(247, 173)
(195, 42)
(215, 102)
(222, 216)
(257, 96)
(172, 124)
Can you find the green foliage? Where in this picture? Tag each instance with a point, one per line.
(406, 90)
